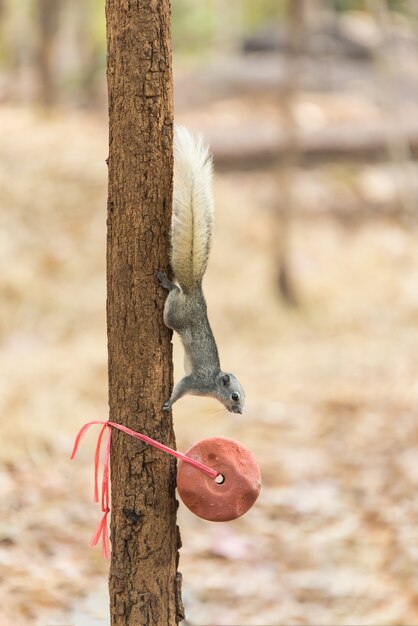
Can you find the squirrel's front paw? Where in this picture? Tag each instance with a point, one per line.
(166, 406)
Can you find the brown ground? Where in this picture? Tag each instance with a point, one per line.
(332, 394)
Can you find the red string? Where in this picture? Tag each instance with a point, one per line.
(102, 530)
(96, 463)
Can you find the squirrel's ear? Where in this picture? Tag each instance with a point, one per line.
(226, 379)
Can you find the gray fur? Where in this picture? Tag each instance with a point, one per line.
(187, 315)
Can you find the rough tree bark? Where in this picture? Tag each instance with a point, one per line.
(144, 585)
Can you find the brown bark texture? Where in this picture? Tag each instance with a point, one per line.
(144, 586)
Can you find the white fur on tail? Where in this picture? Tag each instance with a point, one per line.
(193, 209)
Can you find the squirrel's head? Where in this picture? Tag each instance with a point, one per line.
(231, 394)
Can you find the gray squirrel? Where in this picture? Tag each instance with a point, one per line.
(185, 307)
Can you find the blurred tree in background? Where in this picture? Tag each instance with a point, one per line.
(54, 50)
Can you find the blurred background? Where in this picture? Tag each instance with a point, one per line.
(311, 109)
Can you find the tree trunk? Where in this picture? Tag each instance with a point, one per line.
(144, 585)
(286, 169)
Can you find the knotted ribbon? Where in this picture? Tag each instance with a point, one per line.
(102, 529)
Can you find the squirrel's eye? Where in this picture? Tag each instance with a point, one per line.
(235, 397)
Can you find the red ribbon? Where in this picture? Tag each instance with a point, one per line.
(102, 529)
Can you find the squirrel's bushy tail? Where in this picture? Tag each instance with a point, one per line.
(193, 209)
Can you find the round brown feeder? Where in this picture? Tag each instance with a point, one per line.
(232, 492)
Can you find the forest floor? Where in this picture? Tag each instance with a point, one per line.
(332, 394)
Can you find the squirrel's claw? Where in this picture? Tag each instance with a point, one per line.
(166, 406)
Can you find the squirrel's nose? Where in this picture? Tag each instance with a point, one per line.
(236, 409)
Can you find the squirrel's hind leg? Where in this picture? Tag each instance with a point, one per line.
(164, 282)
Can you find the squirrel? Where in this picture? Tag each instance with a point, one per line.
(185, 308)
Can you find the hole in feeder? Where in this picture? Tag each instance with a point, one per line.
(219, 479)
